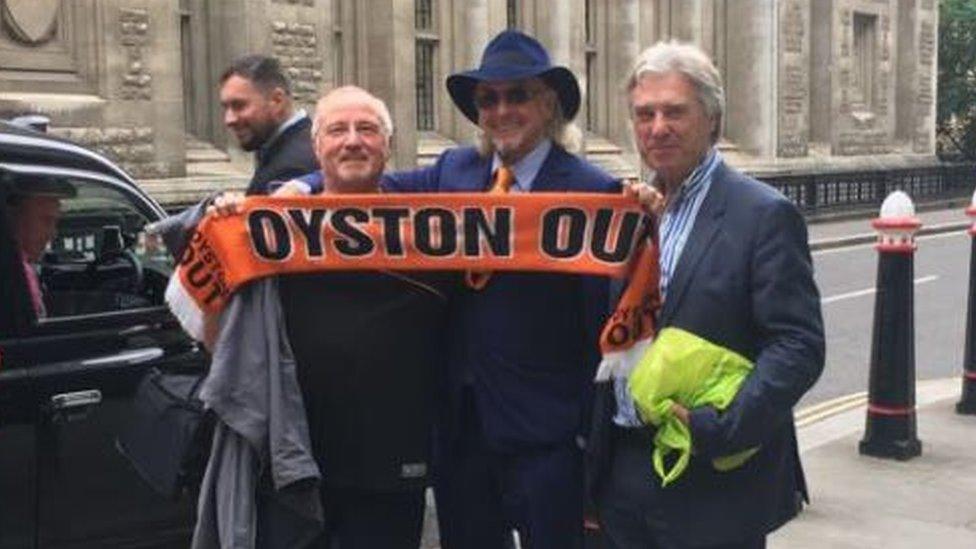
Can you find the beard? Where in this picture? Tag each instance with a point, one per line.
(259, 135)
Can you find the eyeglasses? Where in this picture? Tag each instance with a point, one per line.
(489, 99)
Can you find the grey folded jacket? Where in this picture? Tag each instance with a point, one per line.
(261, 429)
(253, 388)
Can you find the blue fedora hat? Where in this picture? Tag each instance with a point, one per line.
(513, 55)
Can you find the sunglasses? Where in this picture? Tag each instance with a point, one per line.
(489, 99)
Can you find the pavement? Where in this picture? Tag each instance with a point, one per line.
(866, 502)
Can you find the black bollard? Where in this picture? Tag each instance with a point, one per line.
(890, 430)
(967, 404)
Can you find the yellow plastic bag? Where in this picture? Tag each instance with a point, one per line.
(681, 367)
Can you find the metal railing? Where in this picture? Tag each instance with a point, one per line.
(818, 193)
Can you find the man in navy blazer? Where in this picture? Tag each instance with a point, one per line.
(735, 270)
(522, 346)
(258, 109)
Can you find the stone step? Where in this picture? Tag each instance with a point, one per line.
(198, 150)
(727, 146)
(610, 157)
(600, 145)
(429, 146)
(206, 155)
(615, 165)
(194, 142)
(203, 169)
(176, 192)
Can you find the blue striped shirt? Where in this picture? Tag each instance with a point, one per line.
(675, 226)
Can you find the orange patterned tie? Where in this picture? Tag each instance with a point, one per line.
(501, 183)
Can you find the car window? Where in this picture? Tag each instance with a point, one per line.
(102, 219)
(96, 255)
(101, 259)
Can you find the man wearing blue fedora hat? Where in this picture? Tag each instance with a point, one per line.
(522, 347)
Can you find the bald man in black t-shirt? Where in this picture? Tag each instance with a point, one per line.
(368, 346)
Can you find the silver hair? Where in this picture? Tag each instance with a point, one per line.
(691, 62)
(375, 103)
(561, 131)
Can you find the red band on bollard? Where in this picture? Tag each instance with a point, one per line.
(889, 410)
(969, 375)
(897, 248)
(896, 223)
(896, 234)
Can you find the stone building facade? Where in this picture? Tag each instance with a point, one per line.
(809, 82)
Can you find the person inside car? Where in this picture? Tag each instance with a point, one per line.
(34, 210)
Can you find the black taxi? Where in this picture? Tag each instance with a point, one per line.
(79, 327)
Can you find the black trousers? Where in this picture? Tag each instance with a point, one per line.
(482, 495)
(629, 515)
(356, 519)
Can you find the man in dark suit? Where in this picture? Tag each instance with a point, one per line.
(735, 270)
(258, 110)
(522, 346)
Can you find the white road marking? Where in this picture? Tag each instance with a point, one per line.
(869, 291)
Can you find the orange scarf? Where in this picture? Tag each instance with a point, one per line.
(581, 233)
(630, 330)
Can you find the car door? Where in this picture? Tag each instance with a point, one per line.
(17, 458)
(71, 374)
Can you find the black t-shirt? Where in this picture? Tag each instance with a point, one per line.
(368, 347)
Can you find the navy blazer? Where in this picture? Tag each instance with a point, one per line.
(744, 281)
(527, 344)
(290, 155)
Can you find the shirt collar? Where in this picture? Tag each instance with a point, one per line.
(695, 182)
(295, 118)
(526, 169)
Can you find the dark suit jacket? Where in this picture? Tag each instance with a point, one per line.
(527, 343)
(744, 281)
(288, 156)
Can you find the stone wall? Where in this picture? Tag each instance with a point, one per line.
(864, 123)
(870, 78)
(296, 46)
(136, 80)
(132, 148)
(104, 71)
(794, 69)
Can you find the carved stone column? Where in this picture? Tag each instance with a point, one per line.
(793, 79)
(750, 77)
(624, 47)
(915, 89)
(390, 74)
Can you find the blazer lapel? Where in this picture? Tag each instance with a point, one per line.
(552, 174)
(702, 234)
